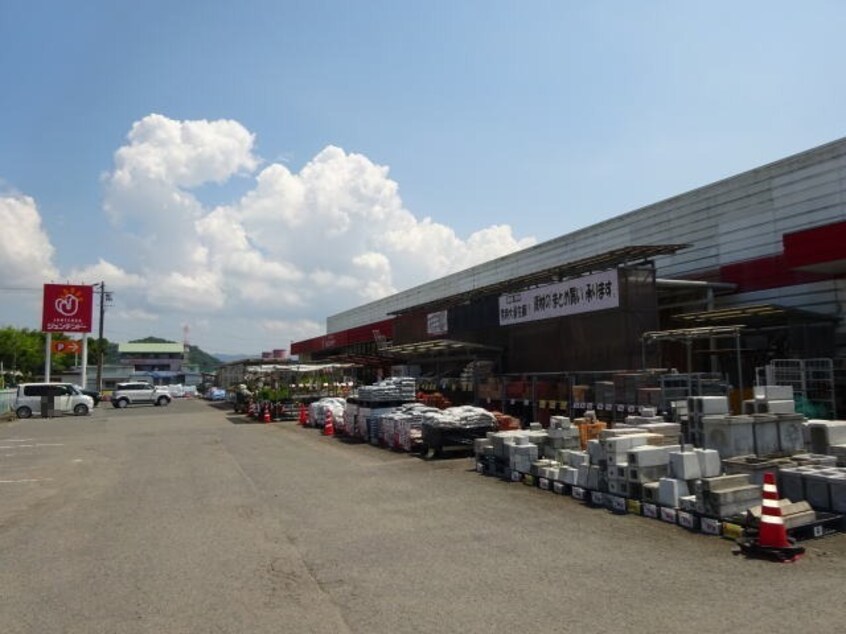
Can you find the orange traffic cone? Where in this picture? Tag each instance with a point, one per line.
(329, 426)
(772, 541)
(265, 417)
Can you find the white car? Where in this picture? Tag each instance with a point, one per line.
(66, 397)
(140, 392)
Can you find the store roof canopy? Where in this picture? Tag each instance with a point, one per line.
(601, 262)
(438, 347)
(754, 316)
(690, 334)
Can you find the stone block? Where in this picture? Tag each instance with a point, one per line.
(582, 478)
(709, 405)
(781, 407)
(569, 475)
(731, 435)
(818, 488)
(650, 492)
(710, 465)
(684, 465)
(642, 475)
(774, 392)
(595, 451)
(618, 487)
(721, 482)
(650, 456)
(837, 490)
(791, 437)
(765, 435)
(824, 433)
(687, 503)
(791, 483)
(669, 491)
(593, 478)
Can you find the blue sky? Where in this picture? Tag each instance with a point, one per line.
(373, 145)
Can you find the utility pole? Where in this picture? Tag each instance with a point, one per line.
(100, 337)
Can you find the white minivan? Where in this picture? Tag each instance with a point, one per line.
(66, 399)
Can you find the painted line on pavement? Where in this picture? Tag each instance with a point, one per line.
(26, 480)
(43, 444)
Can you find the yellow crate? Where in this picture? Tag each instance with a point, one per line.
(732, 531)
(633, 506)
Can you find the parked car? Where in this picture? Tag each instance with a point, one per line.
(138, 393)
(94, 394)
(66, 399)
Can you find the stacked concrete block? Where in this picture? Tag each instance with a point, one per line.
(562, 434)
(670, 432)
(730, 435)
(522, 454)
(700, 408)
(823, 435)
(791, 433)
(773, 392)
(669, 491)
(771, 399)
(818, 488)
(573, 458)
(596, 451)
(684, 465)
(616, 447)
(589, 477)
(650, 455)
(568, 475)
(500, 441)
(765, 435)
(650, 492)
(791, 483)
(824, 487)
(710, 465)
(687, 503)
(545, 468)
(617, 478)
(837, 489)
(726, 496)
(480, 446)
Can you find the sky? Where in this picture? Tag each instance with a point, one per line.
(240, 170)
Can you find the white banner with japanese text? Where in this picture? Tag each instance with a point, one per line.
(436, 323)
(588, 293)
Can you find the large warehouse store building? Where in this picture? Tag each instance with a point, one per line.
(738, 278)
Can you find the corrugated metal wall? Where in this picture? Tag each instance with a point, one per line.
(730, 221)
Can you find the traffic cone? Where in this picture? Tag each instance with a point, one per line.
(772, 541)
(265, 413)
(329, 426)
(771, 532)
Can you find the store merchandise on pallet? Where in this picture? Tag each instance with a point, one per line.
(390, 389)
(643, 464)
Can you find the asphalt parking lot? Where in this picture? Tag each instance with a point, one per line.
(189, 519)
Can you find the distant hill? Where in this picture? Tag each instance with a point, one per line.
(228, 358)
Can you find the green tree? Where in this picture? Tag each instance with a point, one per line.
(22, 350)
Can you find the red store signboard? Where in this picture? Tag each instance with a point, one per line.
(67, 308)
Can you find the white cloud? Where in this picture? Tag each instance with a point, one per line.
(26, 253)
(296, 247)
